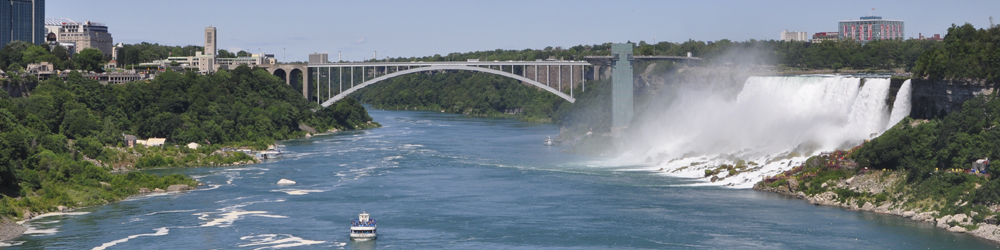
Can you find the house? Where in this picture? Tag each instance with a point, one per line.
(981, 166)
(130, 140)
(111, 65)
(193, 145)
(152, 142)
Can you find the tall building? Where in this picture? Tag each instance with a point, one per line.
(794, 36)
(870, 28)
(207, 62)
(22, 20)
(84, 35)
(211, 43)
(319, 58)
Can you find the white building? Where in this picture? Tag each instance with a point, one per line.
(207, 61)
(794, 36)
(84, 35)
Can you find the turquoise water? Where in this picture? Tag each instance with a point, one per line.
(436, 180)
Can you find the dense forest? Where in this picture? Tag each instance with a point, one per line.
(967, 53)
(875, 55)
(50, 137)
(134, 54)
(18, 54)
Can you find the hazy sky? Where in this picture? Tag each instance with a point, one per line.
(293, 29)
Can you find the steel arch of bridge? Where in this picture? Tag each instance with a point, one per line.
(347, 92)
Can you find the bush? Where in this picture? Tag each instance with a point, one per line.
(90, 147)
(779, 182)
(881, 197)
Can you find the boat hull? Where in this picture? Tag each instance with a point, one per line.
(363, 237)
(363, 233)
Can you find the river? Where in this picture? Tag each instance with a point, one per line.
(435, 180)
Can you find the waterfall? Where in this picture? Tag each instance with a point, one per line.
(870, 112)
(900, 107)
(774, 123)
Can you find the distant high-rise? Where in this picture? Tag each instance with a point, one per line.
(22, 20)
(794, 36)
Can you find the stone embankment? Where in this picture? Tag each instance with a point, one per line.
(887, 183)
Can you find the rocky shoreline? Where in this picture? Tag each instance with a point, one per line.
(10, 230)
(877, 183)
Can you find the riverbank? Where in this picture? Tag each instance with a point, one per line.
(10, 229)
(886, 192)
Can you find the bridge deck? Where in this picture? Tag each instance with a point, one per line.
(450, 63)
(647, 58)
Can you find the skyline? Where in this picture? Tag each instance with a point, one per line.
(405, 29)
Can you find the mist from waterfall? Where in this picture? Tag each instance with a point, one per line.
(773, 123)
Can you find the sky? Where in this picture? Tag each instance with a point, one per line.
(292, 29)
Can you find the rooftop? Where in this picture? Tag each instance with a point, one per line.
(65, 21)
(871, 18)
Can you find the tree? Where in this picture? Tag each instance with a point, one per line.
(60, 52)
(34, 54)
(243, 53)
(226, 54)
(89, 59)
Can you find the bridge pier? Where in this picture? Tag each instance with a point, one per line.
(622, 82)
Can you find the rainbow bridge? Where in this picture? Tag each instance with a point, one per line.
(342, 79)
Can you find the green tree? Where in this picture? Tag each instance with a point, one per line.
(89, 59)
(34, 54)
(225, 54)
(60, 52)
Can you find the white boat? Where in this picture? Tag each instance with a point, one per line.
(549, 141)
(268, 154)
(363, 228)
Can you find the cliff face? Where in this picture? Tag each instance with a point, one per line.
(937, 98)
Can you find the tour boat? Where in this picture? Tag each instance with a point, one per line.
(363, 228)
(549, 141)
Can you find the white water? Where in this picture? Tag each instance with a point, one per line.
(900, 107)
(773, 124)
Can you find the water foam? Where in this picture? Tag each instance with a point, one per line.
(11, 243)
(297, 191)
(159, 232)
(228, 218)
(210, 187)
(771, 125)
(229, 215)
(31, 225)
(56, 214)
(276, 241)
(171, 211)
